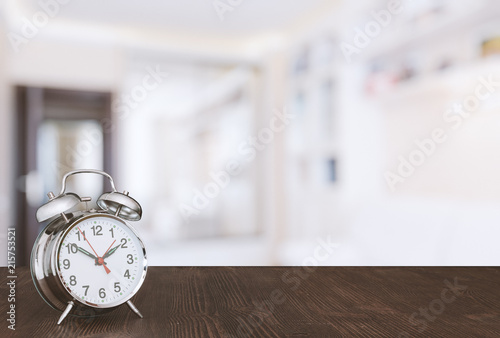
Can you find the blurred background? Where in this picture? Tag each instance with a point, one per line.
(260, 132)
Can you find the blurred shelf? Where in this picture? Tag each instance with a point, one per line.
(459, 80)
(408, 36)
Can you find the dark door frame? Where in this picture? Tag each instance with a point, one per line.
(30, 112)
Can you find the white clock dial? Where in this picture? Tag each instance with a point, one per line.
(101, 261)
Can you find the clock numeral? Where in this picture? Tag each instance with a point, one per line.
(117, 286)
(112, 233)
(83, 237)
(72, 248)
(66, 264)
(126, 274)
(130, 259)
(97, 230)
(86, 287)
(102, 292)
(72, 280)
(124, 242)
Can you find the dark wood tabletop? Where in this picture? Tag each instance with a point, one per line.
(281, 302)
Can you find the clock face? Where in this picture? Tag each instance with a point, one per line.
(101, 261)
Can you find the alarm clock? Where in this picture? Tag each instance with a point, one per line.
(88, 261)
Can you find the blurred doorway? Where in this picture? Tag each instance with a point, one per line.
(57, 131)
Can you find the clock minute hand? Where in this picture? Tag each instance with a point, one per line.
(112, 251)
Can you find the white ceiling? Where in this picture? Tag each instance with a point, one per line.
(180, 28)
(196, 17)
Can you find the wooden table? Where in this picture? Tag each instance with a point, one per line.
(282, 302)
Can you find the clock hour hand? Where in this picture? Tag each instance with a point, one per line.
(110, 252)
(85, 252)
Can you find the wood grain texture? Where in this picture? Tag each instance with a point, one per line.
(282, 302)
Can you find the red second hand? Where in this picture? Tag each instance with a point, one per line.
(104, 266)
(109, 248)
(102, 259)
(85, 238)
(99, 259)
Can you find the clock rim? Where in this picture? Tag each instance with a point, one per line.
(75, 297)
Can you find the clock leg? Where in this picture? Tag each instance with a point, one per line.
(133, 308)
(65, 313)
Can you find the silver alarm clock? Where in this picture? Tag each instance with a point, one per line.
(89, 261)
